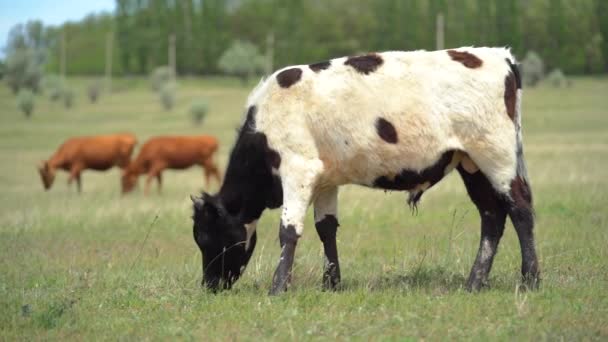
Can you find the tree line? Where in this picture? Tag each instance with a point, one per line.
(571, 35)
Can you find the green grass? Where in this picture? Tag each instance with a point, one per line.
(80, 267)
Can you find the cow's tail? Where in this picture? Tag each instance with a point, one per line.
(522, 171)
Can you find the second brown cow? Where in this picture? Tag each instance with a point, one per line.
(171, 152)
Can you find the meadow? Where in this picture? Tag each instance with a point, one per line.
(104, 266)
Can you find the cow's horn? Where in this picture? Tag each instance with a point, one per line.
(198, 201)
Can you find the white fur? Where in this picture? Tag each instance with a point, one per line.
(326, 203)
(323, 126)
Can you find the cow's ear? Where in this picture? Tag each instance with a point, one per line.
(206, 205)
(197, 202)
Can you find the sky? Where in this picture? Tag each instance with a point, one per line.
(51, 12)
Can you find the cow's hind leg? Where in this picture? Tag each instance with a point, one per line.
(210, 169)
(159, 179)
(522, 215)
(493, 211)
(326, 222)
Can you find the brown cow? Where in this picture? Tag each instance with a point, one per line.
(100, 152)
(171, 152)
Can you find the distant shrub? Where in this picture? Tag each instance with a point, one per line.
(25, 101)
(160, 77)
(242, 59)
(93, 91)
(557, 79)
(68, 97)
(24, 69)
(53, 86)
(198, 111)
(533, 68)
(167, 96)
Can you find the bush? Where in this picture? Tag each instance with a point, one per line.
(533, 69)
(160, 77)
(199, 110)
(93, 91)
(24, 69)
(53, 86)
(68, 97)
(167, 96)
(557, 79)
(242, 59)
(25, 101)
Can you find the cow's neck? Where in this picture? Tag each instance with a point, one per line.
(55, 161)
(249, 186)
(137, 166)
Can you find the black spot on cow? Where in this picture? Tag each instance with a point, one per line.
(317, 67)
(274, 158)
(386, 131)
(467, 59)
(409, 179)
(365, 64)
(289, 77)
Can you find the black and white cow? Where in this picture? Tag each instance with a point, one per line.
(392, 120)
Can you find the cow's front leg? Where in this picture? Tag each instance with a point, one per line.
(75, 175)
(297, 192)
(326, 222)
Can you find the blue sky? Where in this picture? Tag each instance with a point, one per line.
(50, 12)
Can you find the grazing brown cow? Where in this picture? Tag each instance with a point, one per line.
(171, 152)
(100, 152)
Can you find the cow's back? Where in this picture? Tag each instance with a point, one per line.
(92, 152)
(178, 151)
(384, 119)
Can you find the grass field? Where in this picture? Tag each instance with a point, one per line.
(102, 266)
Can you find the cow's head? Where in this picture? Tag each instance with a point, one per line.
(46, 174)
(223, 241)
(129, 179)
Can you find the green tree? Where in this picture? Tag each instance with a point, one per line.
(508, 26)
(602, 15)
(558, 30)
(25, 56)
(242, 59)
(86, 42)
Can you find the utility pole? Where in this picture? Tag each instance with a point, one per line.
(172, 54)
(440, 32)
(187, 48)
(269, 52)
(63, 50)
(109, 43)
